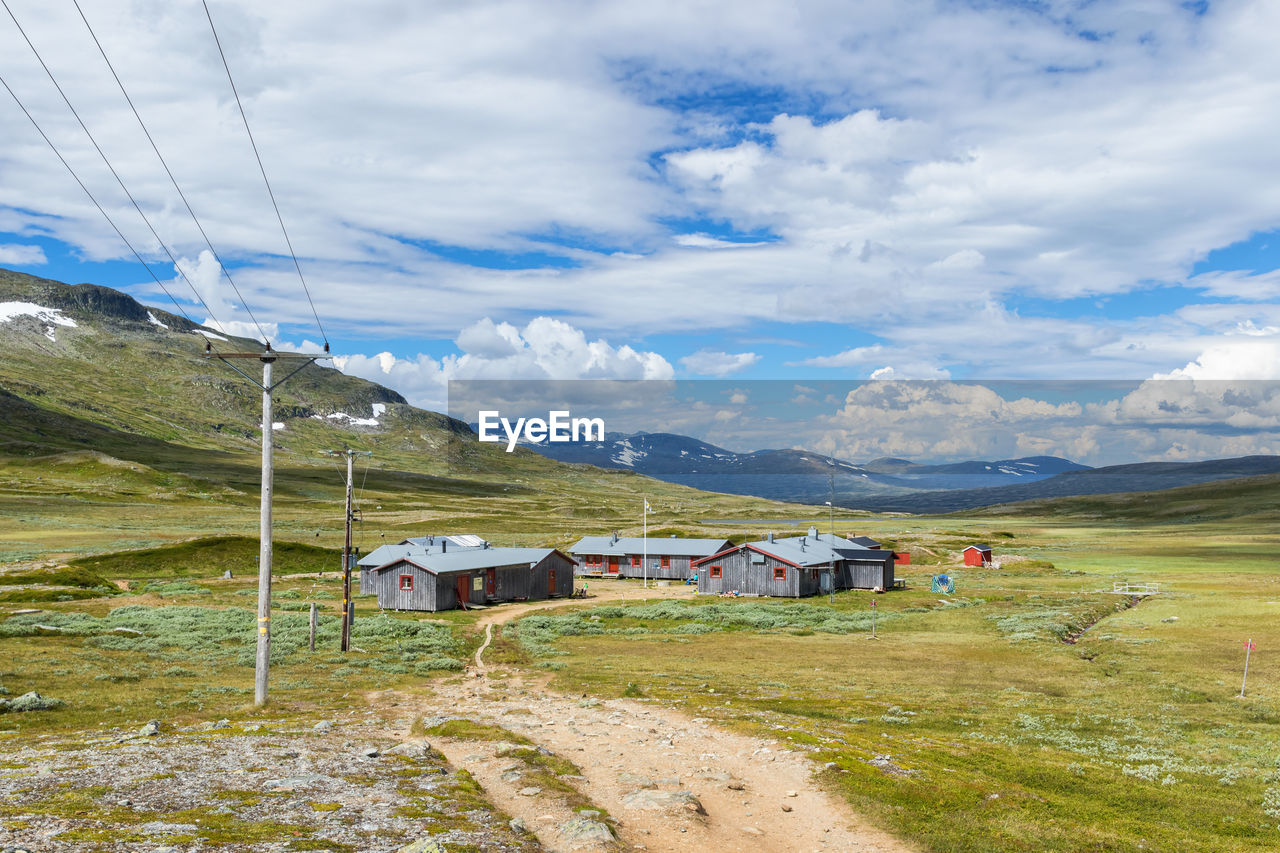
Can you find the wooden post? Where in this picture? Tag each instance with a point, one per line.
(264, 544)
(311, 634)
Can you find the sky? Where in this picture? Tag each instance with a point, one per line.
(675, 190)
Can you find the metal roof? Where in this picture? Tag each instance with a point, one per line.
(818, 550)
(979, 547)
(475, 558)
(384, 554)
(864, 541)
(461, 540)
(657, 546)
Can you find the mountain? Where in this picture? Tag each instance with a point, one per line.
(117, 431)
(1137, 477)
(792, 475)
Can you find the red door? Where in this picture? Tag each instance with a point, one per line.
(613, 565)
(490, 581)
(464, 590)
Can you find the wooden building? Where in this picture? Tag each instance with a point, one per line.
(977, 555)
(670, 558)
(414, 546)
(444, 581)
(794, 567)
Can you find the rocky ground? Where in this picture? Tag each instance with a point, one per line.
(320, 785)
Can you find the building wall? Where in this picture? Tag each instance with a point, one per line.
(681, 567)
(740, 574)
(386, 584)
(975, 557)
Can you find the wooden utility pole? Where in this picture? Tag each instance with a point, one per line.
(268, 359)
(346, 548)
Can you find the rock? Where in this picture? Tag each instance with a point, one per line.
(589, 814)
(792, 794)
(751, 830)
(530, 791)
(292, 783)
(511, 776)
(151, 729)
(210, 725)
(423, 845)
(582, 832)
(410, 748)
(322, 727)
(631, 780)
(786, 808)
(371, 752)
(1169, 619)
(31, 701)
(517, 825)
(651, 800)
(736, 785)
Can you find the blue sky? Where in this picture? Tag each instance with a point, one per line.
(762, 190)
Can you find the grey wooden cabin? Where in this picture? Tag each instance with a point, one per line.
(478, 576)
(794, 567)
(414, 546)
(669, 558)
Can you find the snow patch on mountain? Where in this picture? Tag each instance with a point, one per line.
(155, 321)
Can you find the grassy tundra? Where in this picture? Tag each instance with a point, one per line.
(1032, 710)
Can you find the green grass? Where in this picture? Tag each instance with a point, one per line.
(1002, 734)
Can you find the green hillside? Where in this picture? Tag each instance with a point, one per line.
(119, 433)
(1242, 500)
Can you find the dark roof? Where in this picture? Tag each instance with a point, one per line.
(864, 541)
(475, 558)
(657, 546)
(979, 547)
(805, 551)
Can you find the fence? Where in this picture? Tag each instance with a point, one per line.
(1126, 588)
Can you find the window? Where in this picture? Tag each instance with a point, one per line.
(715, 571)
(779, 573)
(666, 562)
(406, 583)
(477, 583)
(635, 561)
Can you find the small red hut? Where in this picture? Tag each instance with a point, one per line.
(977, 555)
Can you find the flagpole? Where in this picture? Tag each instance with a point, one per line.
(644, 559)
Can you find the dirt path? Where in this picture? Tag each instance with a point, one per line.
(649, 766)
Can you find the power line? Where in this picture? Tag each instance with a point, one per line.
(262, 169)
(110, 221)
(226, 272)
(114, 174)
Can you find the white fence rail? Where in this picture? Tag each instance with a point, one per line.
(1127, 588)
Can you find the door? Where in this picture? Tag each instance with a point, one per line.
(463, 585)
(490, 582)
(613, 565)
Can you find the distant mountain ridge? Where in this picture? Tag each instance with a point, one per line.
(793, 475)
(887, 484)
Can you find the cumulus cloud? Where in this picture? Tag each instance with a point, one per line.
(711, 363)
(546, 348)
(19, 255)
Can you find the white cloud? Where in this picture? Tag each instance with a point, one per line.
(711, 363)
(545, 348)
(1010, 153)
(1245, 358)
(11, 253)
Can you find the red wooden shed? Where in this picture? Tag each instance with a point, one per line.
(977, 555)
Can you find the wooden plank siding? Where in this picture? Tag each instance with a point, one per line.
(738, 573)
(440, 592)
(749, 572)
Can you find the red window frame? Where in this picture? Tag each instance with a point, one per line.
(635, 561)
(715, 572)
(666, 562)
(406, 587)
(779, 573)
